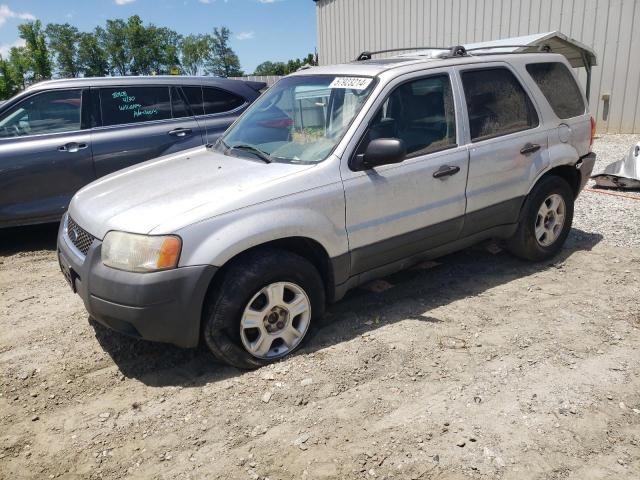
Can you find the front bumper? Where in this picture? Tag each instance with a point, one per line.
(161, 306)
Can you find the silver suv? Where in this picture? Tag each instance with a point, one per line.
(335, 176)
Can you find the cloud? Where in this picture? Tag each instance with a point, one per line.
(124, 2)
(6, 13)
(5, 48)
(245, 35)
(269, 1)
(206, 2)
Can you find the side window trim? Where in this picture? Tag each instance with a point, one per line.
(414, 77)
(33, 95)
(465, 111)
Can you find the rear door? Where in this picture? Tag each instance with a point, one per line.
(507, 148)
(139, 123)
(45, 155)
(215, 109)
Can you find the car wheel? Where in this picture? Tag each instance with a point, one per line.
(263, 308)
(545, 221)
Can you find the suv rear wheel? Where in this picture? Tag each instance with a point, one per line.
(545, 221)
(263, 308)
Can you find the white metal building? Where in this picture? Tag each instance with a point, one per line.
(610, 27)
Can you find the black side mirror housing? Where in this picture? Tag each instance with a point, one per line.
(380, 151)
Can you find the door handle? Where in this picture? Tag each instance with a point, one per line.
(445, 171)
(180, 132)
(72, 147)
(529, 148)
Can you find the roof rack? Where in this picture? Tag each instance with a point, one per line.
(455, 51)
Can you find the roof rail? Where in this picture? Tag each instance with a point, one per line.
(455, 51)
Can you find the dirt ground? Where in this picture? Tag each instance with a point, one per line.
(480, 366)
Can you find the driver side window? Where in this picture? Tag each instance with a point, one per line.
(421, 113)
(48, 112)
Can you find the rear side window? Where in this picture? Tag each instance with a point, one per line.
(194, 96)
(559, 87)
(220, 101)
(496, 103)
(134, 104)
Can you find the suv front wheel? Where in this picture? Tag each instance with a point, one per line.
(545, 221)
(263, 308)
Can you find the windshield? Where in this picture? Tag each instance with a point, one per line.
(301, 118)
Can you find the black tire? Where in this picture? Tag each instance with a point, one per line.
(242, 279)
(524, 243)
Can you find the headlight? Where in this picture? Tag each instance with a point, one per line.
(140, 253)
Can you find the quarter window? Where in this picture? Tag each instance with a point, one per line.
(559, 88)
(48, 112)
(496, 103)
(220, 101)
(134, 104)
(421, 113)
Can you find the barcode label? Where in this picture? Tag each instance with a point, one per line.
(355, 83)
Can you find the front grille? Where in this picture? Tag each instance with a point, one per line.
(78, 236)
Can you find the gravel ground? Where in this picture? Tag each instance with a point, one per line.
(478, 366)
(616, 218)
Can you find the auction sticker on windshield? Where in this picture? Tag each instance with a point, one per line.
(354, 83)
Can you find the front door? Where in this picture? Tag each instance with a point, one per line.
(396, 211)
(45, 156)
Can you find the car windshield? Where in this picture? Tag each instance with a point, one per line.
(300, 119)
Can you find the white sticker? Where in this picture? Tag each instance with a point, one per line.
(355, 83)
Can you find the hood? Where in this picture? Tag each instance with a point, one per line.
(183, 188)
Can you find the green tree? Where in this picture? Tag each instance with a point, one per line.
(92, 57)
(9, 85)
(63, 43)
(154, 50)
(164, 47)
(117, 47)
(282, 68)
(137, 38)
(36, 44)
(222, 60)
(271, 68)
(19, 60)
(195, 51)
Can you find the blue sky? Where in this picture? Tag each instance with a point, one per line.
(262, 29)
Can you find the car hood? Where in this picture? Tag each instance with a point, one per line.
(161, 195)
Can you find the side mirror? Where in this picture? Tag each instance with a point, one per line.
(381, 151)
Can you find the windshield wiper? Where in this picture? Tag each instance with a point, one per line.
(264, 156)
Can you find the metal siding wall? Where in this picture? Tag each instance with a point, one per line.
(347, 27)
